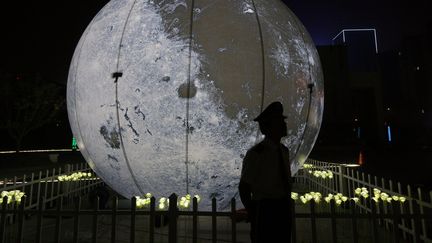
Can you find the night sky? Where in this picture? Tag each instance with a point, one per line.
(40, 36)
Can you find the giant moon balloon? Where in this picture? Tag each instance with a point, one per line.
(194, 74)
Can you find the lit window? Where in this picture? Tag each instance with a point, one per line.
(389, 137)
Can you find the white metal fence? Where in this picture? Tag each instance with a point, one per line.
(46, 184)
(346, 179)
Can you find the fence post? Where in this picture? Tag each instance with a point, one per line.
(58, 220)
(374, 220)
(417, 222)
(30, 201)
(194, 220)
(152, 218)
(342, 184)
(95, 219)
(396, 220)
(214, 228)
(172, 215)
(52, 187)
(333, 221)
(420, 199)
(354, 221)
(402, 211)
(21, 219)
(293, 222)
(233, 221)
(76, 219)
(133, 216)
(39, 219)
(313, 221)
(3, 219)
(114, 219)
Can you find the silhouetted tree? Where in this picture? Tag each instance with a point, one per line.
(28, 102)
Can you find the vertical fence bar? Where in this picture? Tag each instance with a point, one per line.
(152, 219)
(39, 187)
(214, 228)
(21, 219)
(293, 222)
(416, 221)
(5, 181)
(95, 219)
(46, 184)
(402, 210)
(23, 183)
(172, 216)
(52, 187)
(342, 183)
(333, 221)
(395, 217)
(385, 211)
(57, 231)
(430, 207)
(132, 223)
(39, 220)
(76, 219)
(30, 201)
(354, 221)
(363, 210)
(195, 220)
(313, 221)
(411, 209)
(58, 182)
(233, 221)
(420, 200)
(114, 219)
(3, 220)
(374, 221)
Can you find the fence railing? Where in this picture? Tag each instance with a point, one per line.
(46, 217)
(347, 179)
(65, 222)
(45, 184)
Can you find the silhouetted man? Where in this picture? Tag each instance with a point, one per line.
(265, 184)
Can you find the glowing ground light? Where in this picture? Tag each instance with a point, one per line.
(185, 201)
(12, 196)
(339, 198)
(75, 176)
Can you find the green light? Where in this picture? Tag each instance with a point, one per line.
(74, 144)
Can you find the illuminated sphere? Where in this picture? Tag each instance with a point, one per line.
(179, 119)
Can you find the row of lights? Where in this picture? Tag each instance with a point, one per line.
(184, 203)
(339, 198)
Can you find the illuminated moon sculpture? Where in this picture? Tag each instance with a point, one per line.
(162, 93)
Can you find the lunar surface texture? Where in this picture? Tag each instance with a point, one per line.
(162, 94)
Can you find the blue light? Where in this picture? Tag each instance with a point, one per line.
(389, 134)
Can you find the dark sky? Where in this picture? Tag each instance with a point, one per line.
(392, 19)
(41, 35)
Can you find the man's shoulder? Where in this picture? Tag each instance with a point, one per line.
(257, 148)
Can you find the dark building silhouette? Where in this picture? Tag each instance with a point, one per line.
(376, 98)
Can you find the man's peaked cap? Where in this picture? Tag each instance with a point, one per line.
(274, 110)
